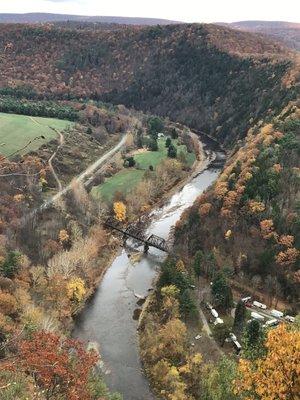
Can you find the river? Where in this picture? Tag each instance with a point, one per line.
(108, 318)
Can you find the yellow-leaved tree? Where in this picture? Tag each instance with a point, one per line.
(277, 375)
(120, 211)
(76, 289)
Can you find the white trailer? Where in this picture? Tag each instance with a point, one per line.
(259, 305)
(277, 314)
(214, 313)
(271, 322)
(237, 346)
(246, 299)
(257, 316)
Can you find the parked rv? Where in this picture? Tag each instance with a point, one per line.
(214, 313)
(257, 316)
(271, 322)
(237, 346)
(259, 305)
(277, 314)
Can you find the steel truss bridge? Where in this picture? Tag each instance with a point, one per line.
(138, 234)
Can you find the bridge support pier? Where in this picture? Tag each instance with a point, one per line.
(146, 248)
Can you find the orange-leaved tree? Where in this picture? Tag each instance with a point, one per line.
(276, 376)
(60, 366)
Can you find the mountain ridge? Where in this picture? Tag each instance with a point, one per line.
(209, 77)
(52, 17)
(287, 33)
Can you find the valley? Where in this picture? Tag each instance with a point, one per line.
(190, 132)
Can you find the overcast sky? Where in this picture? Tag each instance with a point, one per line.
(180, 10)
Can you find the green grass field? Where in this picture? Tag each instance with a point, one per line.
(17, 130)
(155, 157)
(126, 179)
(123, 182)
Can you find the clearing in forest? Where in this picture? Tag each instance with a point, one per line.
(18, 130)
(126, 179)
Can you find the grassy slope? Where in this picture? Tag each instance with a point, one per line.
(126, 179)
(17, 130)
(123, 182)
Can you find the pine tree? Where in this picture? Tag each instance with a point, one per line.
(239, 317)
(253, 341)
(221, 292)
(172, 152)
(198, 263)
(168, 142)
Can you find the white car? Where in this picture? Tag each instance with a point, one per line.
(246, 299)
(289, 318)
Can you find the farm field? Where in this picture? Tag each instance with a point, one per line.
(17, 130)
(126, 179)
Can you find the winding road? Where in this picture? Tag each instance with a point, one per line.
(86, 173)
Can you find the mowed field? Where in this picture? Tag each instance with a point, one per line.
(127, 179)
(17, 130)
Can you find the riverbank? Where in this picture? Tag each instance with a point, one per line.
(108, 318)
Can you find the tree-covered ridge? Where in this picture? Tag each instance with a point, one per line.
(211, 78)
(250, 217)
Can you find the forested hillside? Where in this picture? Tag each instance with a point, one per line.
(285, 32)
(249, 220)
(209, 77)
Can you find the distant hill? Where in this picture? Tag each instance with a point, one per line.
(209, 77)
(285, 32)
(47, 17)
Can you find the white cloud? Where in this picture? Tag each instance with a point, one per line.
(187, 10)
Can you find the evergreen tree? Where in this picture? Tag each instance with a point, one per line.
(198, 263)
(253, 340)
(221, 332)
(155, 125)
(174, 134)
(168, 142)
(172, 151)
(129, 162)
(239, 317)
(153, 146)
(221, 292)
(187, 305)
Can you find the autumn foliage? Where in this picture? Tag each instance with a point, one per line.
(276, 376)
(120, 211)
(60, 366)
